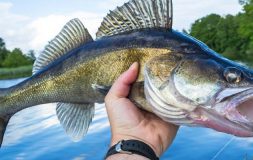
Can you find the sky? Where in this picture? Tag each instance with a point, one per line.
(30, 24)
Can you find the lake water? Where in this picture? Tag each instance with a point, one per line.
(35, 134)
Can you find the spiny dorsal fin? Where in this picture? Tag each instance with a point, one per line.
(73, 35)
(75, 118)
(137, 14)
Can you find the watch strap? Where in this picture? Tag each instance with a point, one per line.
(132, 147)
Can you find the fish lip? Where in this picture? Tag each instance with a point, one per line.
(211, 119)
(241, 97)
(227, 93)
(232, 113)
(224, 116)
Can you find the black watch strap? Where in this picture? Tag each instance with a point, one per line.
(132, 147)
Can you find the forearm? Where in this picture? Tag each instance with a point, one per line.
(126, 157)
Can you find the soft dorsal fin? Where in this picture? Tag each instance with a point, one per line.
(137, 14)
(73, 35)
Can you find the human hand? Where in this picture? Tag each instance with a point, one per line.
(129, 122)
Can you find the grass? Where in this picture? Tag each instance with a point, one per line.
(11, 73)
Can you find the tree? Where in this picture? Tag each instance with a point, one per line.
(3, 51)
(230, 35)
(2, 44)
(31, 54)
(229, 41)
(205, 29)
(245, 28)
(243, 2)
(16, 59)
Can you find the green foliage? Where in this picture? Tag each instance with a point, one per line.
(31, 54)
(3, 51)
(14, 64)
(16, 59)
(2, 44)
(205, 29)
(246, 28)
(230, 35)
(3, 55)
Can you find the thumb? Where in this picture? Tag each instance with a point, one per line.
(121, 87)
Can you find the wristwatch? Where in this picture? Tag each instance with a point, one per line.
(132, 147)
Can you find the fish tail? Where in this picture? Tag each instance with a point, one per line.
(4, 118)
(3, 125)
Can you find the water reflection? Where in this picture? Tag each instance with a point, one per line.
(45, 118)
(35, 133)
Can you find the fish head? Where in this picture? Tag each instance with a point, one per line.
(205, 91)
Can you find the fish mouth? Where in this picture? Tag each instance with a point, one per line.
(232, 114)
(241, 108)
(210, 119)
(246, 109)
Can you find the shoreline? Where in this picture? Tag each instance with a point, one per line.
(14, 73)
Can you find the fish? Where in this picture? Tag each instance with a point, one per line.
(180, 79)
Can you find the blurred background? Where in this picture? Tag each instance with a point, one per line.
(35, 133)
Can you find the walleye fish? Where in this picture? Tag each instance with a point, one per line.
(181, 79)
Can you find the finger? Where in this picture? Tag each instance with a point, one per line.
(122, 85)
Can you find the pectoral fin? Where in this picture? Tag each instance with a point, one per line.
(75, 118)
(101, 89)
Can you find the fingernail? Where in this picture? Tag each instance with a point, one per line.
(134, 66)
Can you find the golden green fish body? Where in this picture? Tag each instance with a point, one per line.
(73, 84)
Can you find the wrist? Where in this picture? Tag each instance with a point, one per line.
(132, 148)
(118, 138)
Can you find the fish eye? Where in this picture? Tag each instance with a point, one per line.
(233, 75)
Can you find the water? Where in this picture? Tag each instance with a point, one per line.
(35, 133)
